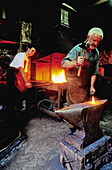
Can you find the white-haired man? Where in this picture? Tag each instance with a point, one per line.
(82, 67)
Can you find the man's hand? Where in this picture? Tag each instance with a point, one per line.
(92, 91)
(80, 61)
(28, 85)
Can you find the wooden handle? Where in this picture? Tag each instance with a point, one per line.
(79, 71)
(80, 67)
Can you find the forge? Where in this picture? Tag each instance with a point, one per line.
(85, 146)
(48, 76)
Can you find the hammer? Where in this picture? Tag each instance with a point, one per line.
(83, 52)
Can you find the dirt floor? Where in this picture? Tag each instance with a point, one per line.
(40, 150)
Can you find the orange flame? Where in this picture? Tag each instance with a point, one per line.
(93, 100)
(59, 77)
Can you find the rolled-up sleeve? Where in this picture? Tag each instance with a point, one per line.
(96, 70)
(97, 65)
(71, 56)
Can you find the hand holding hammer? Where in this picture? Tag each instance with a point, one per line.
(80, 63)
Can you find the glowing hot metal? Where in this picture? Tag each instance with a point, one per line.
(93, 100)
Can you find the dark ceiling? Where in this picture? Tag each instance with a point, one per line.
(29, 9)
(41, 13)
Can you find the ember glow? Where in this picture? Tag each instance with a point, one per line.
(59, 77)
(93, 100)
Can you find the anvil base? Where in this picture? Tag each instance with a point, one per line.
(93, 156)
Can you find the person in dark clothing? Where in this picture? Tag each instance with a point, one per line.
(17, 81)
(19, 88)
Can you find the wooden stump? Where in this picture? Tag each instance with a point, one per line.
(91, 157)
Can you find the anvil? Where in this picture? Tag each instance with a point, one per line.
(84, 118)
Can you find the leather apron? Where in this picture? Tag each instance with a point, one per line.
(77, 90)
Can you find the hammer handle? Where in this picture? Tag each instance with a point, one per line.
(80, 67)
(79, 71)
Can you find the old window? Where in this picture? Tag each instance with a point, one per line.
(64, 18)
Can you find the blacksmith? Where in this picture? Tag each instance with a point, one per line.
(17, 81)
(81, 64)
